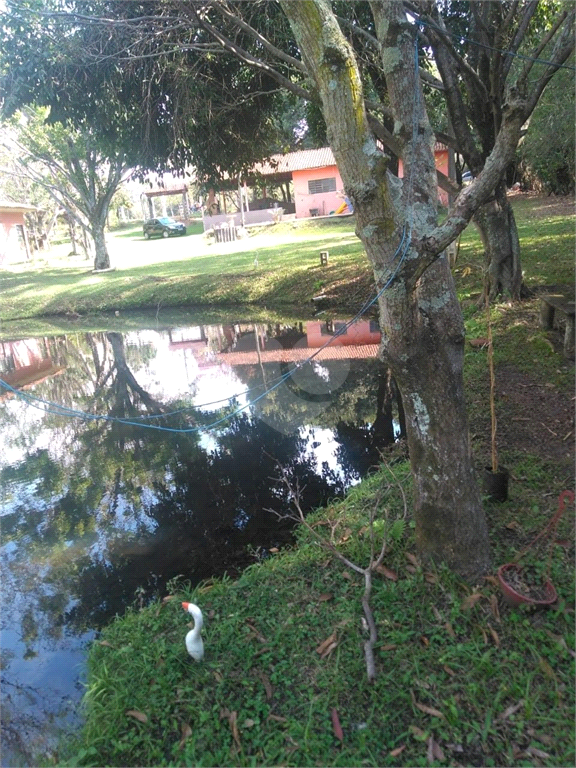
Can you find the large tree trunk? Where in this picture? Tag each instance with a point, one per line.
(497, 226)
(101, 257)
(421, 322)
(424, 346)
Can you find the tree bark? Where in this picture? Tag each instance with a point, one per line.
(497, 227)
(420, 317)
(101, 256)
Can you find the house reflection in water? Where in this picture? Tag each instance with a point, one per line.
(26, 362)
(247, 344)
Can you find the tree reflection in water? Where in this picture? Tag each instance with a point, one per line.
(95, 510)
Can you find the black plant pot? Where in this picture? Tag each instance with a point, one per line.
(496, 483)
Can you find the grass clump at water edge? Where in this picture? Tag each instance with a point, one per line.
(462, 679)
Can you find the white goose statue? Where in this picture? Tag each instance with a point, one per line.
(194, 644)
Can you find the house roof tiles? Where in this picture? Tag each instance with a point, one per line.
(296, 161)
(304, 160)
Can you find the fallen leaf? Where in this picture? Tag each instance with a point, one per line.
(450, 629)
(428, 710)
(140, 716)
(511, 710)
(326, 643)
(336, 727)
(186, 733)
(397, 751)
(267, 685)
(389, 647)
(437, 614)
(431, 578)
(418, 732)
(494, 636)
(470, 601)
(448, 671)
(257, 635)
(565, 543)
(274, 550)
(346, 575)
(546, 668)
(218, 676)
(387, 572)
(412, 558)
(478, 343)
(494, 608)
(434, 751)
(105, 642)
(277, 718)
(232, 718)
(557, 638)
(329, 650)
(424, 640)
(325, 596)
(167, 598)
(411, 569)
(345, 536)
(248, 723)
(534, 752)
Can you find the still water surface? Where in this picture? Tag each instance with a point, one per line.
(130, 459)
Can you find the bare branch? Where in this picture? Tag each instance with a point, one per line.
(527, 14)
(366, 572)
(247, 58)
(279, 54)
(559, 21)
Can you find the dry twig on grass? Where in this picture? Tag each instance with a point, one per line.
(375, 561)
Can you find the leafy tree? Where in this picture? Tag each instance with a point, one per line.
(17, 188)
(195, 81)
(68, 164)
(486, 52)
(547, 152)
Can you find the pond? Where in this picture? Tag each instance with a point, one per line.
(132, 459)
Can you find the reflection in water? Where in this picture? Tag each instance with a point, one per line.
(130, 486)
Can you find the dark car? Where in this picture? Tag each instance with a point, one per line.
(164, 227)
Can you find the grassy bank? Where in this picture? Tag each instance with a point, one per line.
(462, 679)
(279, 266)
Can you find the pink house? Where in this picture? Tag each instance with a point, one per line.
(318, 187)
(13, 237)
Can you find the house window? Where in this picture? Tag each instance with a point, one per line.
(316, 186)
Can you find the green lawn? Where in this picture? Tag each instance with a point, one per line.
(187, 271)
(461, 678)
(278, 266)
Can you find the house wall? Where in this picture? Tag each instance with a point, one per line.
(441, 160)
(10, 249)
(324, 202)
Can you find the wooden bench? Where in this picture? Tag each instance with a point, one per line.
(560, 301)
